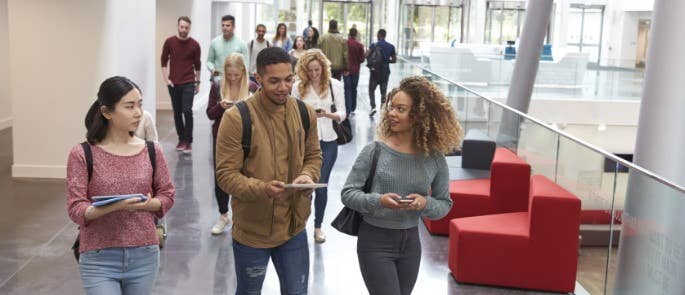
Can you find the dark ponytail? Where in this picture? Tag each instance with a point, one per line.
(110, 93)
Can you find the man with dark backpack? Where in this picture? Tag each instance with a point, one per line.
(257, 45)
(381, 54)
(255, 159)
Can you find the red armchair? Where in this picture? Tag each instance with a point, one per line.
(505, 191)
(537, 249)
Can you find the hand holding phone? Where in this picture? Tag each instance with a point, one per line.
(226, 103)
(404, 200)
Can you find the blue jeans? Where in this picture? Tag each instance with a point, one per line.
(329, 150)
(128, 271)
(290, 259)
(351, 83)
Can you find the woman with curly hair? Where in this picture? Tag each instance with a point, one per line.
(315, 87)
(411, 181)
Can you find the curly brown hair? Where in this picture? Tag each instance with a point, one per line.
(301, 70)
(434, 122)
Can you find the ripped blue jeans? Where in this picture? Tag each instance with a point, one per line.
(290, 259)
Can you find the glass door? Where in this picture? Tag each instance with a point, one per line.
(504, 21)
(585, 27)
(348, 14)
(425, 24)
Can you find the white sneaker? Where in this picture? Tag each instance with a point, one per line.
(220, 224)
(319, 236)
(373, 112)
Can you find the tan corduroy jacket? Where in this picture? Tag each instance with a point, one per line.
(258, 220)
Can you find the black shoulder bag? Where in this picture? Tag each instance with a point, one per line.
(342, 129)
(348, 220)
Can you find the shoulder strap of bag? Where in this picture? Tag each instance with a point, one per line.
(333, 107)
(372, 172)
(89, 158)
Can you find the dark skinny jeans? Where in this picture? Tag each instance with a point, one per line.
(389, 259)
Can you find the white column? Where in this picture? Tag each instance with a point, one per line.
(526, 67)
(651, 256)
(56, 69)
(528, 54)
(5, 101)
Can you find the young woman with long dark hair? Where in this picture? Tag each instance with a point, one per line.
(119, 252)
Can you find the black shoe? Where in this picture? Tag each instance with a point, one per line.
(372, 112)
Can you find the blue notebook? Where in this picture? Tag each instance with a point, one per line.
(105, 200)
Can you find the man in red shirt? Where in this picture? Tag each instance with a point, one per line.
(182, 79)
(355, 56)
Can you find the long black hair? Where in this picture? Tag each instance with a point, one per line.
(110, 93)
(314, 40)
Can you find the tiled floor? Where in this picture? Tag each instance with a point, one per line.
(36, 235)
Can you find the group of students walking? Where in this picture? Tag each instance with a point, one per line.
(265, 137)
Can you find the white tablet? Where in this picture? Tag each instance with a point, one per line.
(305, 185)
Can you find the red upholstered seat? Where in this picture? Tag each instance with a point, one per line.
(505, 191)
(537, 249)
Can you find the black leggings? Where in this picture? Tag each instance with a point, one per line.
(222, 197)
(389, 259)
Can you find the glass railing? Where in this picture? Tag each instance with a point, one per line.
(566, 76)
(636, 251)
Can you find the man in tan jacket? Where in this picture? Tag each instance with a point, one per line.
(269, 219)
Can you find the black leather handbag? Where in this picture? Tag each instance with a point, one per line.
(342, 129)
(348, 220)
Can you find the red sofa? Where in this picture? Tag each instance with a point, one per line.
(505, 191)
(537, 249)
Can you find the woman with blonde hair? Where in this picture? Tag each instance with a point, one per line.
(411, 181)
(223, 95)
(315, 87)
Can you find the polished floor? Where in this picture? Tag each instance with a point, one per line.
(36, 234)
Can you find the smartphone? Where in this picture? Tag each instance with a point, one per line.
(228, 102)
(404, 200)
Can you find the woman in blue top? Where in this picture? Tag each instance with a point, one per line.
(281, 38)
(411, 180)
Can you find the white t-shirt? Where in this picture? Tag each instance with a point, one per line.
(325, 125)
(254, 51)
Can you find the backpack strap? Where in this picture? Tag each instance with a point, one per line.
(304, 116)
(89, 158)
(246, 118)
(247, 127)
(152, 153)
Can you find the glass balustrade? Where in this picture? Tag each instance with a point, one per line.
(632, 240)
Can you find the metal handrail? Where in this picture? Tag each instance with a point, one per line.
(545, 125)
